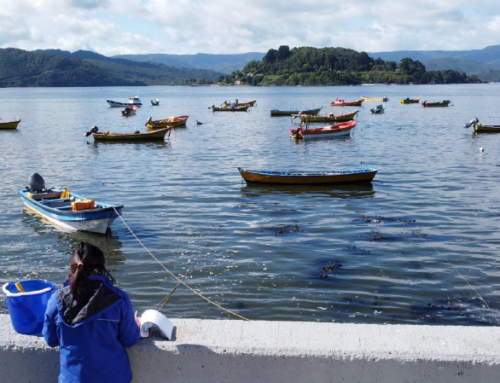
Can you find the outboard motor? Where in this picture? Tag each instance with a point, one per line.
(36, 183)
(471, 122)
(94, 129)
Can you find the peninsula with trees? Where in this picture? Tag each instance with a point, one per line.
(337, 66)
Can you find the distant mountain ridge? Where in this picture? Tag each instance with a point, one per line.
(485, 63)
(224, 63)
(149, 73)
(488, 55)
(19, 68)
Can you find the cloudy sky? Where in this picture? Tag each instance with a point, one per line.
(114, 27)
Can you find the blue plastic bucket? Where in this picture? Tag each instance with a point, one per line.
(27, 309)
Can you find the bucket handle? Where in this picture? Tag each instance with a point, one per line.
(11, 294)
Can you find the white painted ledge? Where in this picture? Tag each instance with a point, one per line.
(283, 352)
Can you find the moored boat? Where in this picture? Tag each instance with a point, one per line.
(335, 130)
(171, 121)
(278, 113)
(307, 178)
(378, 109)
(155, 102)
(69, 210)
(342, 102)
(129, 110)
(330, 117)
(243, 108)
(249, 103)
(437, 104)
(481, 128)
(409, 100)
(9, 124)
(377, 99)
(131, 101)
(158, 134)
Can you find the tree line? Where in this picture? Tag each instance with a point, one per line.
(337, 66)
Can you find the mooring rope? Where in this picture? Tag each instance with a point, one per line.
(176, 277)
(467, 282)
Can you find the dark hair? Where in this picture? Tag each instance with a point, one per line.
(87, 260)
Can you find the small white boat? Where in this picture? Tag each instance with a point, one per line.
(129, 110)
(155, 102)
(69, 210)
(131, 101)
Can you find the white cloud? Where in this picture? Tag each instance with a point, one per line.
(223, 26)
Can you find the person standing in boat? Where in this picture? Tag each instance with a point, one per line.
(92, 322)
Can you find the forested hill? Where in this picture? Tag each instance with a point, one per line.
(146, 72)
(337, 66)
(19, 68)
(224, 63)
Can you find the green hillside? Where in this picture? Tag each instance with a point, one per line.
(337, 66)
(217, 62)
(20, 68)
(486, 72)
(148, 73)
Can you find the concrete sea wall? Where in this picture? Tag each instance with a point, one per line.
(278, 352)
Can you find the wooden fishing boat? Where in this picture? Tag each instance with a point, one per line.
(74, 212)
(243, 108)
(379, 109)
(408, 100)
(437, 104)
(335, 130)
(168, 122)
(279, 113)
(307, 178)
(330, 117)
(480, 128)
(342, 102)
(9, 124)
(377, 99)
(158, 134)
(249, 103)
(131, 101)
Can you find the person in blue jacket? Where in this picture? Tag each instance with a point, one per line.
(91, 321)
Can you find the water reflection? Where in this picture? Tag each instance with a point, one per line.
(362, 190)
(110, 244)
(139, 144)
(342, 139)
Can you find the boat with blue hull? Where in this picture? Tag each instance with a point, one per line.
(71, 211)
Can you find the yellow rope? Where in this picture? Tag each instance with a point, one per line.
(472, 287)
(165, 299)
(176, 277)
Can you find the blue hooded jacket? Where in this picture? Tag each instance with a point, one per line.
(92, 338)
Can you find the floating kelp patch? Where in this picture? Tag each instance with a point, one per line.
(284, 229)
(329, 269)
(376, 236)
(380, 219)
(434, 311)
(357, 250)
(236, 305)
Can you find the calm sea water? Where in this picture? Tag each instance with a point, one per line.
(419, 245)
